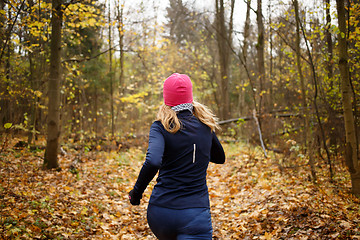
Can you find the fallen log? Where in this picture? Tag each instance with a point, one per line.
(247, 118)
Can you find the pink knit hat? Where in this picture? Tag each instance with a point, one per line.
(177, 90)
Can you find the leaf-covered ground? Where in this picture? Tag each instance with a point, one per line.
(250, 198)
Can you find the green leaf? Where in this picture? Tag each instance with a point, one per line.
(7, 125)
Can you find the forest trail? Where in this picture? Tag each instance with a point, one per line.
(87, 199)
(252, 199)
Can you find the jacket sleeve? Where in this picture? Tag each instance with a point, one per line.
(152, 162)
(217, 154)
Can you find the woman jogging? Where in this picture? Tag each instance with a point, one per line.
(182, 142)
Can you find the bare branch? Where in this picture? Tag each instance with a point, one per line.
(10, 30)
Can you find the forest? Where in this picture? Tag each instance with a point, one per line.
(81, 83)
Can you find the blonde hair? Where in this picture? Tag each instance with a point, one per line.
(172, 124)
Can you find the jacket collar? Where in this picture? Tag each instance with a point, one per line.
(184, 113)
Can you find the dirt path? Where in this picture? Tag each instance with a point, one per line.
(250, 199)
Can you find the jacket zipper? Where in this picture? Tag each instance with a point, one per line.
(194, 153)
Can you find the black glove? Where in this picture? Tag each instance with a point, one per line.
(134, 200)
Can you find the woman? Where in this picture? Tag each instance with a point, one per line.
(182, 142)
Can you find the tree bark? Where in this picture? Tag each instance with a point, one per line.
(329, 46)
(307, 131)
(2, 24)
(246, 30)
(53, 135)
(242, 56)
(260, 53)
(224, 43)
(96, 113)
(121, 45)
(245, 51)
(6, 103)
(351, 156)
(111, 76)
(33, 74)
(271, 63)
(329, 66)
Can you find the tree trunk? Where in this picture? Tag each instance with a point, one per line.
(307, 131)
(2, 41)
(243, 54)
(245, 51)
(351, 155)
(34, 104)
(111, 76)
(7, 45)
(260, 53)
(224, 57)
(271, 93)
(121, 45)
(32, 56)
(96, 119)
(52, 145)
(2, 24)
(329, 64)
(246, 30)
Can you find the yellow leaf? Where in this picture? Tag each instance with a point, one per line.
(84, 211)
(267, 236)
(38, 94)
(74, 224)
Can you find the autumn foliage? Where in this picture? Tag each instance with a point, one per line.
(278, 80)
(251, 197)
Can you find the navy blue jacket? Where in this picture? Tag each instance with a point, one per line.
(182, 160)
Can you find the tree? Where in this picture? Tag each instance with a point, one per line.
(244, 56)
(179, 20)
(329, 46)
(35, 75)
(2, 23)
(111, 75)
(351, 155)
(224, 41)
(305, 112)
(260, 53)
(331, 102)
(120, 19)
(83, 70)
(53, 133)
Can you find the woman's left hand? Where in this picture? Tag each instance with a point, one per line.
(133, 200)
